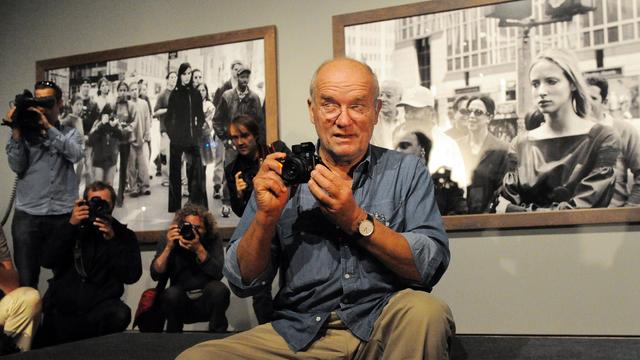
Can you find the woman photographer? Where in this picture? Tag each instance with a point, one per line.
(568, 161)
(191, 257)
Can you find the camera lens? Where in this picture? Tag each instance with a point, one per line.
(186, 231)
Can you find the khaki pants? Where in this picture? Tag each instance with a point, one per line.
(19, 315)
(413, 325)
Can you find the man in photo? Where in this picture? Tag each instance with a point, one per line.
(138, 165)
(47, 184)
(419, 115)
(159, 112)
(351, 245)
(93, 257)
(388, 120)
(90, 114)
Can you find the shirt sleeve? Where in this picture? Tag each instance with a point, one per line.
(231, 268)
(70, 145)
(424, 230)
(17, 155)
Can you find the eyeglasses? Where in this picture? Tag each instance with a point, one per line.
(476, 112)
(332, 110)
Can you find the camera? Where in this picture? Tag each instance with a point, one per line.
(98, 209)
(26, 120)
(297, 166)
(187, 231)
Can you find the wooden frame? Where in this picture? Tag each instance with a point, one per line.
(479, 221)
(266, 34)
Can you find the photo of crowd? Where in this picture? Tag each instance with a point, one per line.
(574, 144)
(156, 127)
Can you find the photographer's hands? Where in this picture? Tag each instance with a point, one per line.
(80, 213)
(241, 185)
(8, 120)
(333, 191)
(270, 191)
(174, 238)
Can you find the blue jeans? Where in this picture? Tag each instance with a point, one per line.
(30, 233)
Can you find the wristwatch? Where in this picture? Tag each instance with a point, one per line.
(366, 226)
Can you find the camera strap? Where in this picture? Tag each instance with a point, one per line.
(77, 259)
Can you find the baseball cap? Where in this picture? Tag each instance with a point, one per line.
(243, 69)
(418, 97)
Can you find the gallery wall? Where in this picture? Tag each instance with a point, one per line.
(574, 280)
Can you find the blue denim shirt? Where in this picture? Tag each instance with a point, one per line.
(47, 182)
(322, 269)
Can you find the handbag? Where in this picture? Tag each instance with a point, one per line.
(149, 317)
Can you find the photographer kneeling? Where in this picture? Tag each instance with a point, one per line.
(92, 259)
(192, 257)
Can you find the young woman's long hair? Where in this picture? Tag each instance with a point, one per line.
(565, 59)
(181, 70)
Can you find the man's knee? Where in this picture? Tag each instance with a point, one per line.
(30, 299)
(172, 296)
(119, 318)
(422, 308)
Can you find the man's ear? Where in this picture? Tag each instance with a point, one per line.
(310, 110)
(377, 108)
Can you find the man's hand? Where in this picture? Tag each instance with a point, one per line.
(270, 191)
(104, 226)
(241, 185)
(193, 245)
(80, 212)
(44, 122)
(8, 120)
(334, 192)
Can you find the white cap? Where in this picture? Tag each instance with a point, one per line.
(417, 97)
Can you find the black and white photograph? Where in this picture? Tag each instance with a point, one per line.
(529, 106)
(156, 126)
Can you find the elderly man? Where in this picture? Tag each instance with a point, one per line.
(419, 115)
(390, 94)
(351, 244)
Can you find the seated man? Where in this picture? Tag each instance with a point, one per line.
(244, 131)
(20, 306)
(192, 257)
(92, 258)
(351, 245)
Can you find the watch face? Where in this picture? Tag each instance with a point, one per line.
(366, 228)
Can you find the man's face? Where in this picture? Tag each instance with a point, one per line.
(197, 78)
(421, 116)
(244, 140)
(102, 194)
(599, 106)
(344, 110)
(198, 224)
(84, 90)
(390, 97)
(172, 80)
(243, 80)
(122, 92)
(53, 113)
(234, 70)
(133, 91)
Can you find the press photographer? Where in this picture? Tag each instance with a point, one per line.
(191, 257)
(93, 256)
(41, 151)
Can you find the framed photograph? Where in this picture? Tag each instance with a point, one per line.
(122, 100)
(457, 91)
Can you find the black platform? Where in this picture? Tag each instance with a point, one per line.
(138, 346)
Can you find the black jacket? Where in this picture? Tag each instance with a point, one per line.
(185, 117)
(109, 264)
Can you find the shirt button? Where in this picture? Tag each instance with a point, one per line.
(318, 318)
(347, 276)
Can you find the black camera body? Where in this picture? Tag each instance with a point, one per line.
(297, 166)
(187, 231)
(98, 209)
(26, 120)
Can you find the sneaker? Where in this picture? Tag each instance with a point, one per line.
(146, 192)
(165, 183)
(225, 211)
(158, 173)
(135, 194)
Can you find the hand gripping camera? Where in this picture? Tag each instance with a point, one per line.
(297, 166)
(98, 209)
(26, 120)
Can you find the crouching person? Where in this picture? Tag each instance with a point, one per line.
(19, 306)
(191, 256)
(92, 258)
